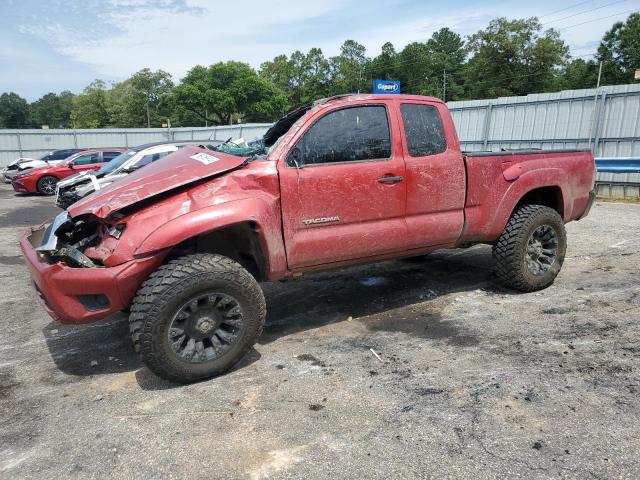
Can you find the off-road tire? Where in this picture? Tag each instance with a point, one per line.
(160, 297)
(509, 250)
(42, 185)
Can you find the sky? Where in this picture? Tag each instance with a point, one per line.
(55, 45)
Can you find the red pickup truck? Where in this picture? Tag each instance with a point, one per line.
(183, 243)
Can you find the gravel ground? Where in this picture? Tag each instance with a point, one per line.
(474, 380)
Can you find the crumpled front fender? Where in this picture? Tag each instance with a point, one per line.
(266, 215)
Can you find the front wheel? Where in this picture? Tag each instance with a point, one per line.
(531, 249)
(47, 185)
(196, 317)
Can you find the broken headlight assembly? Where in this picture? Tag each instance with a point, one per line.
(67, 240)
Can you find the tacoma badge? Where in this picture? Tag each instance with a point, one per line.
(313, 221)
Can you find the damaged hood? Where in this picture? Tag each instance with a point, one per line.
(80, 177)
(187, 165)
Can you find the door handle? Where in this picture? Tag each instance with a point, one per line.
(390, 179)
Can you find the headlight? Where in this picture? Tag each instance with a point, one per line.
(22, 175)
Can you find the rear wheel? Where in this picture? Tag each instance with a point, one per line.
(47, 185)
(196, 317)
(530, 252)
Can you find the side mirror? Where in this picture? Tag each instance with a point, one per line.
(295, 158)
(71, 165)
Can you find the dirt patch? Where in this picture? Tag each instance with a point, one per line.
(425, 322)
(10, 260)
(305, 357)
(556, 311)
(8, 382)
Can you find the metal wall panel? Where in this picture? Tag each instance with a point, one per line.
(31, 143)
(608, 123)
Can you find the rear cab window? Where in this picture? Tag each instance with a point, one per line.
(351, 134)
(423, 129)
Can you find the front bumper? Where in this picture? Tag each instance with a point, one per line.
(19, 186)
(8, 174)
(65, 289)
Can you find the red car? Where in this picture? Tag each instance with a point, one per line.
(183, 242)
(44, 180)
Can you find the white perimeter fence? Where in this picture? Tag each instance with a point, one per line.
(607, 121)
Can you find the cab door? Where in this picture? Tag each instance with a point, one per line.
(436, 178)
(342, 187)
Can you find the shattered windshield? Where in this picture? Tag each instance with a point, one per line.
(264, 146)
(241, 148)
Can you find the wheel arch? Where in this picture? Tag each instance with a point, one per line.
(240, 242)
(248, 231)
(549, 196)
(542, 185)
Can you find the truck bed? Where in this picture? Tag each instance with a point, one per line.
(497, 181)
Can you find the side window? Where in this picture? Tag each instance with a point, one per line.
(61, 154)
(147, 159)
(152, 157)
(87, 159)
(350, 134)
(423, 128)
(108, 156)
(160, 155)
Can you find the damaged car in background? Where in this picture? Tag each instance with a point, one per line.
(54, 157)
(75, 187)
(43, 180)
(183, 243)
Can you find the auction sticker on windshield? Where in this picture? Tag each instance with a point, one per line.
(204, 158)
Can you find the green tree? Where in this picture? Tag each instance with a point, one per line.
(385, 65)
(141, 100)
(53, 110)
(415, 71)
(14, 111)
(577, 74)
(228, 91)
(90, 107)
(304, 76)
(447, 54)
(317, 76)
(349, 68)
(280, 72)
(513, 57)
(152, 88)
(619, 51)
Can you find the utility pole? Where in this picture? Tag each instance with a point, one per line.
(595, 106)
(148, 118)
(444, 85)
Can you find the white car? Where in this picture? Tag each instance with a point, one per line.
(51, 158)
(75, 187)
